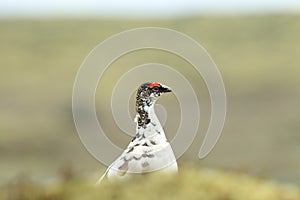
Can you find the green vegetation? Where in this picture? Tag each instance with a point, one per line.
(189, 184)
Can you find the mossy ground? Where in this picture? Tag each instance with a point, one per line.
(190, 183)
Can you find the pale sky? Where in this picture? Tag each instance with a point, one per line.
(142, 8)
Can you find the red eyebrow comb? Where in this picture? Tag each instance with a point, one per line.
(152, 85)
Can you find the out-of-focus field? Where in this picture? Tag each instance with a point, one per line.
(189, 184)
(258, 57)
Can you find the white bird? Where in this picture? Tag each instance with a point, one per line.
(149, 150)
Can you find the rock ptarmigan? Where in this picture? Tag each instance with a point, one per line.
(149, 150)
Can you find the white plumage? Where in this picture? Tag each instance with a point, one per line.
(149, 150)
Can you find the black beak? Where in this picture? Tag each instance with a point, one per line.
(165, 89)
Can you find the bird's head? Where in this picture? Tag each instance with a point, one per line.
(150, 91)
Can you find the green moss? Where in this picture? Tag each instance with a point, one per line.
(190, 183)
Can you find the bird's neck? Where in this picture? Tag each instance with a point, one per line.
(147, 121)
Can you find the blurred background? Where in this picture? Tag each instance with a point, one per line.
(255, 44)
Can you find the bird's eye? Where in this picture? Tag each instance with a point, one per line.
(155, 89)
